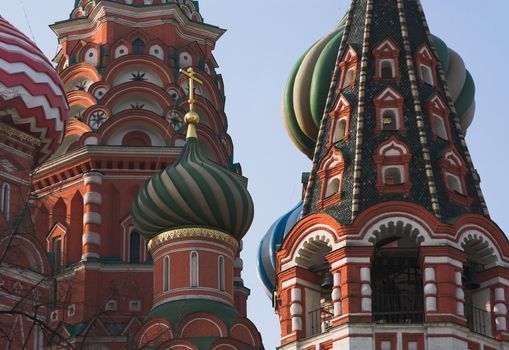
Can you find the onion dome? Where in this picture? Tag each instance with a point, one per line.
(32, 98)
(308, 85)
(193, 192)
(269, 245)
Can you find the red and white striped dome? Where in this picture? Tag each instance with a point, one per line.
(32, 98)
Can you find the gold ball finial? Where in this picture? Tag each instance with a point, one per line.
(192, 117)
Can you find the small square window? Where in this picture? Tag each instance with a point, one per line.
(134, 305)
(427, 74)
(54, 316)
(111, 305)
(71, 310)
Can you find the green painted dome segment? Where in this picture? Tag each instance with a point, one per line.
(320, 84)
(442, 52)
(308, 86)
(301, 141)
(302, 87)
(467, 95)
(193, 192)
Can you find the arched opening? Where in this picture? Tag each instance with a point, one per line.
(439, 127)
(481, 255)
(220, 273)
(134, 248)
(454, 183)
(138, 46)
(349, 77)
(194, 270)
(427, 74)
(333, 187)
(6, 200)
(166, 274)
(57, 253)
(339, 130)
(319, 310)
(393, 176)
(136, 139)
(396, 275)
(390, 120)
(386, 69)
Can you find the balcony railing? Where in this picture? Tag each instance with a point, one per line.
(321, 319)
(398, 308)
(477, 319)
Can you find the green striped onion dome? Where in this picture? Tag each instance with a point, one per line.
(308, 85)
(193, 192)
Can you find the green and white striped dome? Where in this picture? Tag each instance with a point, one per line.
(309, 82)
(193, 192)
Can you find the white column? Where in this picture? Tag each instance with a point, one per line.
(296, 309)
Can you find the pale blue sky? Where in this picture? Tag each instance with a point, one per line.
(263, 41)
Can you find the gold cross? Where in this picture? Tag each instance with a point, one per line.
(192, 79)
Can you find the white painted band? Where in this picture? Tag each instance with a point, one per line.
(91, 238)
(443, 260)
(93, 178)
(93, 198)
(92, 218)
(90, 255)
(351, 260)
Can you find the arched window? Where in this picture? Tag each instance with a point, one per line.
(439, 127)
(332, 187)
(138, 46)
(134, 248)
(393, 175)
(439, 115)
(390, 120)
(6, 200)
(339, 130)
(392, 158)
(454, 183)
(166, 274)
(396, 280)
(386, 60)
(331, 175)
(389, 111)
(220, 273)
(386, 69)
(194, 269)
(454, 172)
(426, 64)
(339, 121)
(348, 68)
(349, 77)
(426, 74)
(57, 253)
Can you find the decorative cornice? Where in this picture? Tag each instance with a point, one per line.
(113, 12)
(194, 232)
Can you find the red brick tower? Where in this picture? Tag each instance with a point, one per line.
(119, 62)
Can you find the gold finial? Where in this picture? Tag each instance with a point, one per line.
(192, 118)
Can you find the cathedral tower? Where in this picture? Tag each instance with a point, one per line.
(392, 247)
(120, 63)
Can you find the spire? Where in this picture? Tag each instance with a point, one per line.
(191, 118)
(390, 129)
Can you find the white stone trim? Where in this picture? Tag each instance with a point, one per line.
(93, 198)
(443, 260)
(350, 260)
(91, 238)
(92, 218)
(298, 281)
(93, 178)
(90, 255)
